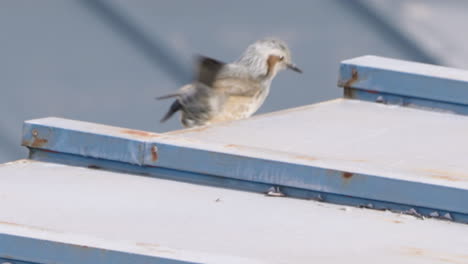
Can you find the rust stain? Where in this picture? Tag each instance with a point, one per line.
(372, 91)
(446, 175)
(449, 258)
(26, 226)
(346, 175)
(414, 251)
(21, 161)
(189, 130)
(348, 92)
(300, 157)
(139, 133)
(37, 142)
(358, 160)
(154, 247)
(354, 78)
(141, 244)
(81, 246)
(154, 153)
(304, 157)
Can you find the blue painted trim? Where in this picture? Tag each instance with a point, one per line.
(26, 250)
(109, 143)
(15, 261)
(87, 143)
(443, 86)
(31, 250)
(418, 103)
(251, 186)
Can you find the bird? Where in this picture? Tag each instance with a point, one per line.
(230, 91)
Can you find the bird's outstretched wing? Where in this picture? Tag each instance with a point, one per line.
(208, 70)
(206, 73)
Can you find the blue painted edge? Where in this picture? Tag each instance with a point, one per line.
(195, 157)
(31, 250)
(444, 86)
(244, 185)
(406, 101)
(86, 143)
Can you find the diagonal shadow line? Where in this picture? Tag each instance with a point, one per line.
(391, 31)
(152, 48)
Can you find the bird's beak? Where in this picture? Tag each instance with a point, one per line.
(294, 68)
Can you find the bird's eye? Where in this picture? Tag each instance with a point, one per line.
(281, 58)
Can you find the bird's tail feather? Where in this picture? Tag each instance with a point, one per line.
(167, 96)
(176, 106)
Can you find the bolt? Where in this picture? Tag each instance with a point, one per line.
(35, 133)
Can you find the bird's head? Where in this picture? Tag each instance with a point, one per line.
(267, 57)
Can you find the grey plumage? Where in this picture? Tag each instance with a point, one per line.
(223, 92)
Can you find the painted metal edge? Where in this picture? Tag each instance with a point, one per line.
(86, 139)
(32, 250)
(242, 164)
(410, 79)
(257, 187)
(407, 101)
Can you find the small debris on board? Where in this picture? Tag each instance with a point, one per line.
(346, 209)
(434, 214)
(447, 216)
(275, 192)
(414, 213)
